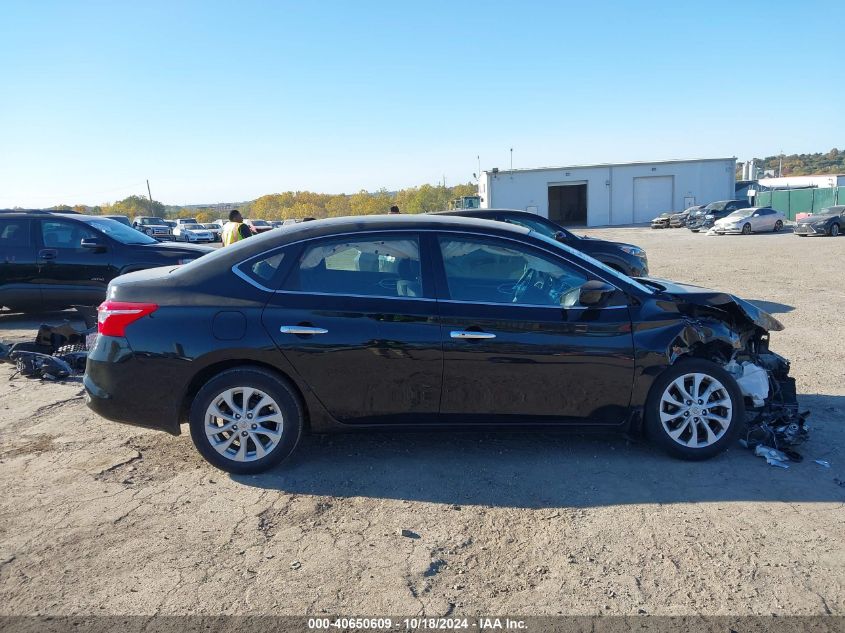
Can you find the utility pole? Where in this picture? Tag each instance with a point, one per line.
(478, 157)
(511, 158)
(150, 195)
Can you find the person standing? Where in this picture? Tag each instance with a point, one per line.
(235, 230)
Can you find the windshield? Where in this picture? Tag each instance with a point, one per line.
(259, 223)
(716, 206)
(742, 213)
(120, 232)
(150, 221)
(543, 228)
(192, 227)
(210, 226)
(615, 274)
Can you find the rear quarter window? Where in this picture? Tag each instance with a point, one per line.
(263, 270)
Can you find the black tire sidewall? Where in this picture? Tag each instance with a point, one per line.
(746, 229)
(654, 428)
(834, 227)
(271, 384)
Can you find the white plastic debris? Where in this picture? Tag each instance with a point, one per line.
(822, 462)
(773, 456)
(752, 379)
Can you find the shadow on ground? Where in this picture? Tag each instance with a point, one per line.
(541, 469)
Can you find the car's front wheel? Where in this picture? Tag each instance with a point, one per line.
(778, 226)
(834, 229)
(746, 229)
(695, 410)
(246, 420)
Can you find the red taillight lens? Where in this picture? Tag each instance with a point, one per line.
(114, 316)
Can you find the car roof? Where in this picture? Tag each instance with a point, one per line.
(255, 245)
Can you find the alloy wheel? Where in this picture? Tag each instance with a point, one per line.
(746, 230)
(834, 230)
(244, 424)
(695, 410)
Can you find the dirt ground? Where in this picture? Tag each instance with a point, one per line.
(100, 518)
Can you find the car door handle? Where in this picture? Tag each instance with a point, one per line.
(302, 329)
(469, 334)
(47, 254)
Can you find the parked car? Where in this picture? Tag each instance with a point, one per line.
(750, 220)
(679, 220)
(828, 221)
(276, 224)
(661, 221)
(706, 217)
(380, 321)
(185, 232)
(123, 219)
(626, 258)
(258, 226)
(216, 230)
(154, 227)
(54, 261)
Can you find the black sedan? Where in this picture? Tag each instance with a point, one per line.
(53, 261)
(626, 258)
(828, 221)
(415, 321)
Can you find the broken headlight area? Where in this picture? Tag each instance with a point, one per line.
(773, 417)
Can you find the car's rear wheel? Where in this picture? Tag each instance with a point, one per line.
(834, 229)
(695, 410)
(778, 226)
(246, 420)
(746, 229)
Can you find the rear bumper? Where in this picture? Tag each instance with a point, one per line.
(121, 387)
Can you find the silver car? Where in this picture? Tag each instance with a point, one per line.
(751, 220)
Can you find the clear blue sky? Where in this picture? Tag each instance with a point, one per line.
(218, 101)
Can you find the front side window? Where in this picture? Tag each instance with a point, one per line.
(66, 235)
(14, 233)
(369, 267)
(489, 271)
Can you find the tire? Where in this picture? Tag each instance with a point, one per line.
(834, 230)
(778, 226)
(746, 229)
(660, 398)
(149, 232)
(226, 391)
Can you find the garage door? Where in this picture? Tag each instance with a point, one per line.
(652, 196)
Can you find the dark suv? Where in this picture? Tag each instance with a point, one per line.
(626, 258)
(705, 218)
(52, 261)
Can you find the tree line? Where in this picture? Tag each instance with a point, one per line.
(294, 204)
(832, 162)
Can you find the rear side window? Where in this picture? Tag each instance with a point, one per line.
(14, 233)
(375, 267)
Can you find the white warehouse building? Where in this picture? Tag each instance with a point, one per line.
(608, 194)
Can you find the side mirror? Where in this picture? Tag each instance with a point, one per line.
(93, 243)
(560, 236)
(595, 293)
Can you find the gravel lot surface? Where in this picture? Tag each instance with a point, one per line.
(100, 518)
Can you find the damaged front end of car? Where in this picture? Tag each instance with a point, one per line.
(734, 333)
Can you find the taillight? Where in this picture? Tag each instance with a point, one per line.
(114, 316)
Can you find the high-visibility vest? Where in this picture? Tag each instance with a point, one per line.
(231, 233)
